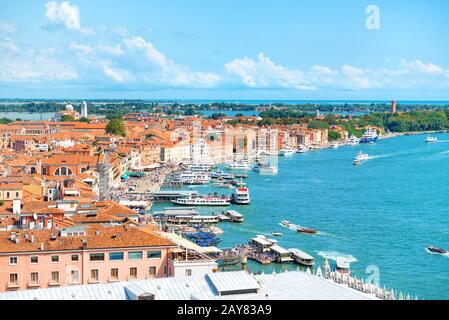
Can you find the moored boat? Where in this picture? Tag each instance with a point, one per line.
(342, 265)
(241, 195)
(302, 258)
(207, 201)
(286, 151)
(370, 136)
(234, 215)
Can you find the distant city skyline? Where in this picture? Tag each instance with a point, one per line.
(225, 50)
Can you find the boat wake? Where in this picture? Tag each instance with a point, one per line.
(333, 255)
(292, 227)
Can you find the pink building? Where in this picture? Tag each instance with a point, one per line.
(81, 255)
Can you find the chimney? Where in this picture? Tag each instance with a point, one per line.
(32, 238)
(16, 206)
(84, 243)
(42, 246)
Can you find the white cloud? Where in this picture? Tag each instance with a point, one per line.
(111, 50)
(64, 13)
(121, 31)
(6, 27)
(265, 73)
(165, 71)
(81, 49)
(117, 75)
(420, 66)
(8, 45)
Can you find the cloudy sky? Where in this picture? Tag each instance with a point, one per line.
(233, 49)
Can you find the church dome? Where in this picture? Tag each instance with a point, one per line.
(69, 107)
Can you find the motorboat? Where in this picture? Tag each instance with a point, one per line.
(302, 258)
(194, 178)
(286, 151)
(277, 234)
(303, 149)
(221, 175)
(360, 157)
(286, 223)
(436, 250)
(431, 139)
(306, 230)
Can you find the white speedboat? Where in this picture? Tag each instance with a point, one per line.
(241, 195)
(238, 166)
(361, 157)
(303, 149)
(286, 151)
(431, 139)
(302, 258)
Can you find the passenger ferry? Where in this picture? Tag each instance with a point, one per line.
(206, 201)
(238, 166)
(370, 136)
(234, 216)
(342, 265)
(353, 140)
(302, 258)
(200, 167)
(194, 178)
(286, 151)
(221, 175)
(241, 194)
(430, 139)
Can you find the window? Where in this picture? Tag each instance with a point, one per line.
(97, 257)
(114, 256)
(7, 195)
(34, 278)
(13, 261)
(17, 194)
(94, 275)
(44, 171)
(133, 273)
(74, 277)
(74, 257)
(14, 278)
(63, 171)
(135, 255)
(154, 254)
(54, 277)
(188, 272)
(33, 170)
(152, 272)
(54, 259)
(114, 274)
(34, 259)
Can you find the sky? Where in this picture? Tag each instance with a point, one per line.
(225, 49)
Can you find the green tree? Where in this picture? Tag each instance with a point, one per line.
(315, 124)
(116, 127)
(334, 135)
(67, 118)
(84, 119)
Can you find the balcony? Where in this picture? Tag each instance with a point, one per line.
(33, 284)
(13, 285)
(54, 283)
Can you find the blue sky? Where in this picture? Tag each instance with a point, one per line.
(233, 49)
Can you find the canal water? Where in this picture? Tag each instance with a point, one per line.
(381, 215)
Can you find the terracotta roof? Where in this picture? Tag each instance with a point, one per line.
(97, 238)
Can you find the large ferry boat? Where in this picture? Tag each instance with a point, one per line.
(370, 136)
(286, 151)
(206, 201)
(238, 166)
(221, 175)
(241, 195)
